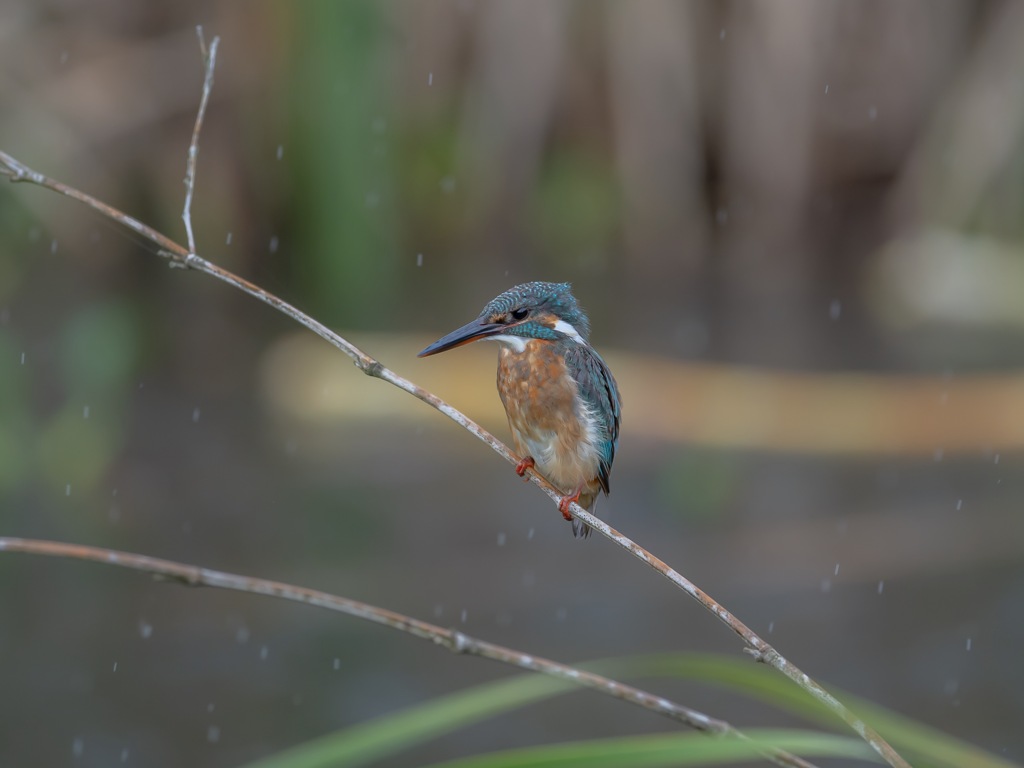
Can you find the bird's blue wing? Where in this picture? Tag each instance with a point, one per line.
(598, 389)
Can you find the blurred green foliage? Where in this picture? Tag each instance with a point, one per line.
(345, 215)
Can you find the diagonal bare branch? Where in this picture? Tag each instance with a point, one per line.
(453, 640)
(187, 257)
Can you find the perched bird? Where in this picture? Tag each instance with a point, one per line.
(561, 400)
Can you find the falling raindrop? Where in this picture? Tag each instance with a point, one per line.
(430, 78)
(145, 629)
(419, 259)
(77, 747)
(968, 643)
(835, 308)
(53, 245)
(826, 89)
(195, 415)
(264, 653)
(242, 635)
(272, 246)
(337, 664)
(837, 569)
(959, 504)
(85, 411)
(115, 667)
(213, 734)
(881, 587)
(67, 490)
(501, 539)
(227, 240)
(872, 112)
(464, 615)
(280, 151)
(771, 627)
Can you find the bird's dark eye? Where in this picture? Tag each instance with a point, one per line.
(519, 314)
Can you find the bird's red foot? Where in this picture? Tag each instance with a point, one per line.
(565, 501)
(524, 464)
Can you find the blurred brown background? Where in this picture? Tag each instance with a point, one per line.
(797, 228)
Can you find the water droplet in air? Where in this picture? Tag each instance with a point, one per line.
(968, 643)
(337, 664)
(430, 78)
(264, 653)
(227, 240)
(213, 734)
(85, 411)
(881, 587)
(272, 246)
(242, 635)
(959, 504)
(195, 415)
(77, 747)
(501, 539)
(280, 151)
(419, 259)
(145, 630)
(835, 308)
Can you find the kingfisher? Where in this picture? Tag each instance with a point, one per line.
(562, 402)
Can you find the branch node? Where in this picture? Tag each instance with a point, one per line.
(459, 642)
(371, 368)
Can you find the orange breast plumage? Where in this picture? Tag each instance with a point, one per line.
(548, 419)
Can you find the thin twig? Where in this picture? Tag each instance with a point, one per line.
(453, 640)
(181, 256)
(209, 63)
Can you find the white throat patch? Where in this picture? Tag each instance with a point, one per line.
(516, 343)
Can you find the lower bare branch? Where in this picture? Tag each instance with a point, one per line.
(453, 640)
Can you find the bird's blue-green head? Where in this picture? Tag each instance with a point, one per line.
(529, 311)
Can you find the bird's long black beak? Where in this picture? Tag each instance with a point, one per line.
(478, 329)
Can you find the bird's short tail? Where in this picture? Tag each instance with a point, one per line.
(580, 529)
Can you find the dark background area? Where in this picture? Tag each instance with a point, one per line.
(796, 226)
